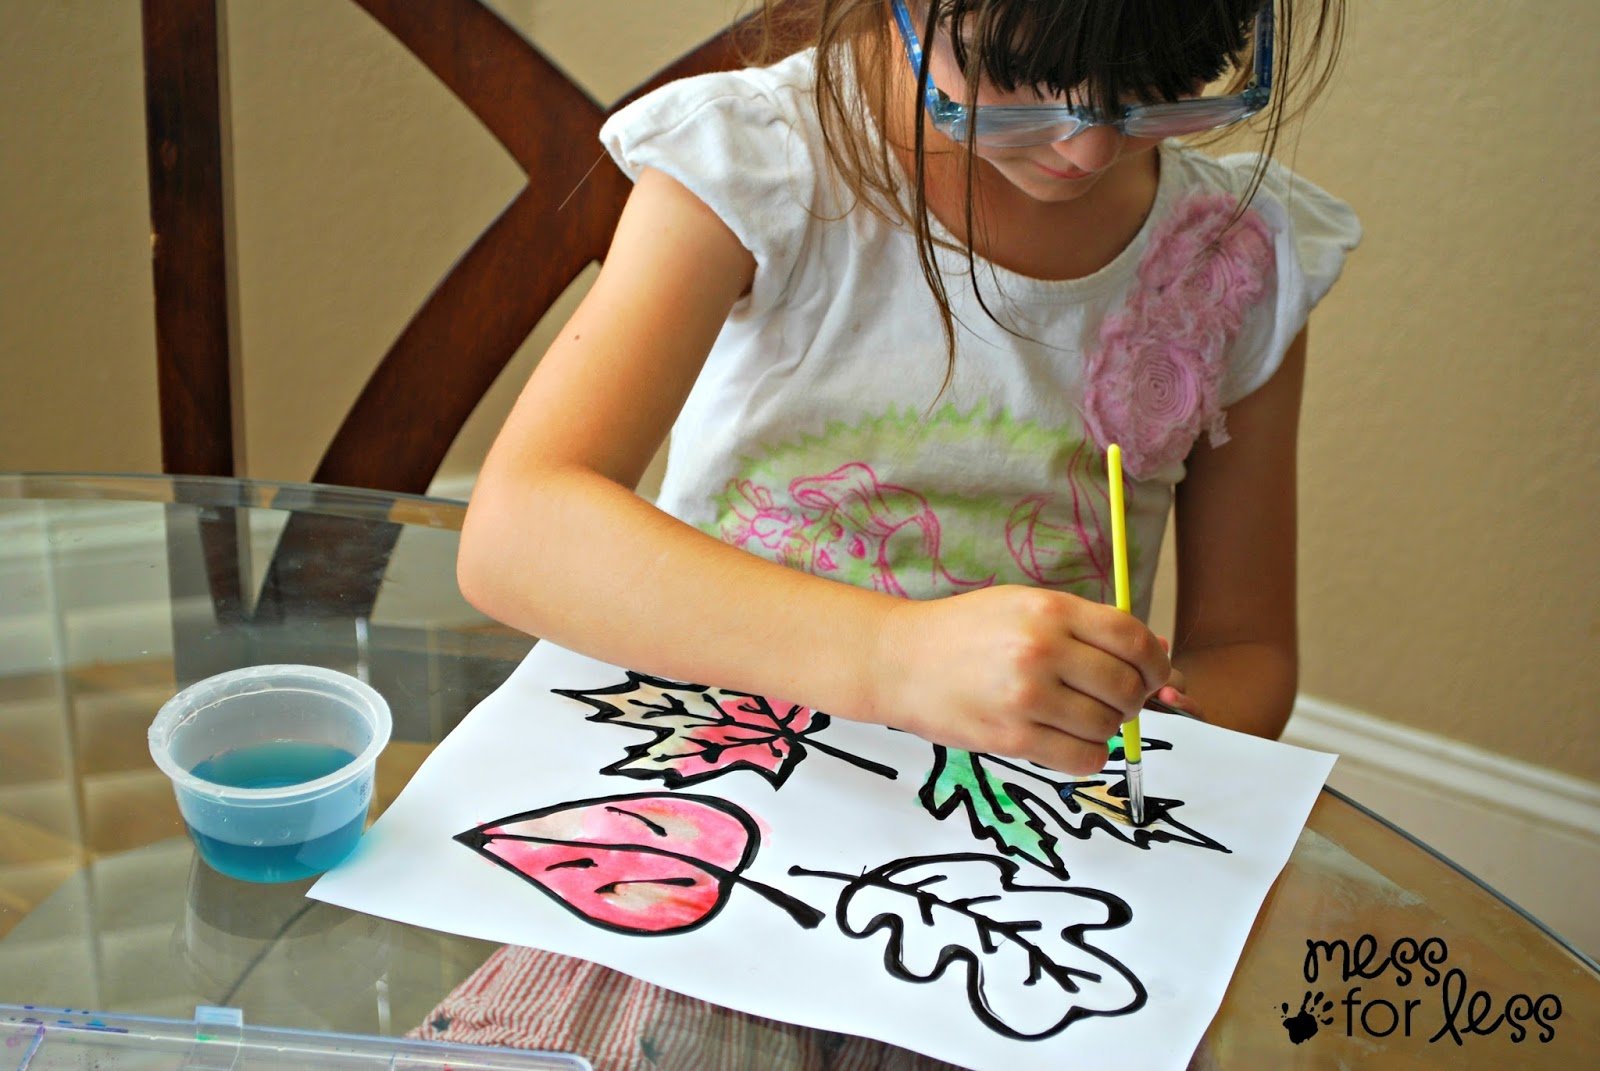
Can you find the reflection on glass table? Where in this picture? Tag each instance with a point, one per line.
(115, 592)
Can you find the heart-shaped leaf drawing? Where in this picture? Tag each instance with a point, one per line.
(648, 864)
(1025, 978)
(699, 732)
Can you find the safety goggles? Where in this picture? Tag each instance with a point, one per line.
(1005, 126)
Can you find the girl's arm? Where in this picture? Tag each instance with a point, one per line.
(1235, 646)
(556, 542)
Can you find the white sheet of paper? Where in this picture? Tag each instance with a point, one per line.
(1099, 945)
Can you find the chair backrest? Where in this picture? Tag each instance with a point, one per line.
(413, 406)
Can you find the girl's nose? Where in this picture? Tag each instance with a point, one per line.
(1093, 150)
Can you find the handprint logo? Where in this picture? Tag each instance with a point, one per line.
(1314, 1009)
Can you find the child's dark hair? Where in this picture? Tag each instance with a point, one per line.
(1101, 53)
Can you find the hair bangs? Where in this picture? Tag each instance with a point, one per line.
(1099, 53)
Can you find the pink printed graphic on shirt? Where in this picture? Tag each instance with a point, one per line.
(852, 525)
(846, 525)
(1059, 540)
(1152, 378)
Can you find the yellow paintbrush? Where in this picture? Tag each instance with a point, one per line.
(1132, 751)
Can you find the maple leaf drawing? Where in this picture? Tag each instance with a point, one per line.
(699, 732)
(1024, 979)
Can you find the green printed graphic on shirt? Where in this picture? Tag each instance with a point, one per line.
(927, 506)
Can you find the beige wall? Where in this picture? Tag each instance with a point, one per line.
(1450, 440)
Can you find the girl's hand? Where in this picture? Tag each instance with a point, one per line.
(1022, 672)
(1181, 700)
(1172, 693)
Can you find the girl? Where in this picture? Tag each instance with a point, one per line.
(893, 296)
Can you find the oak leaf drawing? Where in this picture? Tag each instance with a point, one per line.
(965, 914)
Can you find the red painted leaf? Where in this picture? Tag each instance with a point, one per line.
(647, 864)
(699, 732)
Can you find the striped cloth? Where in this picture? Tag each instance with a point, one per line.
(531, 999)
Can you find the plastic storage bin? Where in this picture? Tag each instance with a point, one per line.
(53, 1039)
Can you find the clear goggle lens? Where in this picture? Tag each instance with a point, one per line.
(1001, 128)
(1000, 131)
(1184, 117)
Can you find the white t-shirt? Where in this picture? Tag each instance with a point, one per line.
(811, 436)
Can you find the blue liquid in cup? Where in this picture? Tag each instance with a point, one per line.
(274, 844)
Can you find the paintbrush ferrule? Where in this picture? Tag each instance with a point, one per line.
(1135, 780)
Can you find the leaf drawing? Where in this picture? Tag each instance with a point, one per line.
(1115, 756)
(996, 812)
(648, 864)
(1025, 810)
(1024, 979)
(1102, 805)
(699, 732)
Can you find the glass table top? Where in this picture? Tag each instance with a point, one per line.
(116, 591)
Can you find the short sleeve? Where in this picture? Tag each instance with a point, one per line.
(1313, 233)
(738, 141)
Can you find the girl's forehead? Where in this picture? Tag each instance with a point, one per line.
(1136, 49)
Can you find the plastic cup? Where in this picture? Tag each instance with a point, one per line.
(272, 767)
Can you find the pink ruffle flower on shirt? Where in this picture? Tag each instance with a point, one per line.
(1153, 378)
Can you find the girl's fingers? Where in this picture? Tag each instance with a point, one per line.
(1104, 679)
(1173, 697)
(1081, 716)
(1067, 753)
(1126, 639)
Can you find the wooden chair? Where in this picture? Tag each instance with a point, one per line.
(399, 427)
(414, 405)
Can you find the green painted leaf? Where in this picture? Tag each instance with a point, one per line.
(997, 812)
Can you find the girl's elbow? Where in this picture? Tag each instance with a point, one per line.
(473, 575)
(480, 564)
